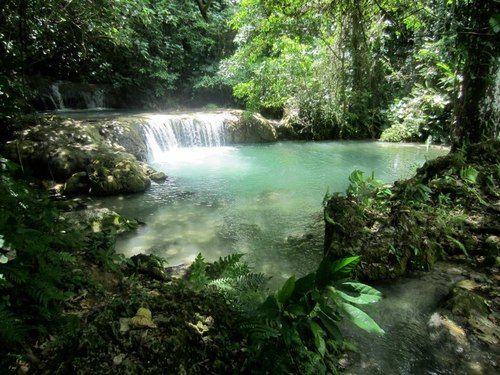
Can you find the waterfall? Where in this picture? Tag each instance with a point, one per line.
(67, 95)
(56, 97)
(167, 133)
(94, 99)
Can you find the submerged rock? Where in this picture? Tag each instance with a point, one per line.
(99, 220)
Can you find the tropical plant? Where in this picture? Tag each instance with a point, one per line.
(303, 316)
(366, 188)
(37, 260)
(231, 277)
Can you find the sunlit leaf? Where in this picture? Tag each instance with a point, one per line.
(361, 319)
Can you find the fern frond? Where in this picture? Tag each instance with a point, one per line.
(223, 265)
(11, 330)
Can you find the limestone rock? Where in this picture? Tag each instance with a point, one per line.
(78, 183)
(99, 220)
(158, 177)
(61, 149)
(252, 128)
(153, 174)
(125, 134)
(116, 173)
(142, 319)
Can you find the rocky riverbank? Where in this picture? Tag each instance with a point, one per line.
(106, 156)
(450, 207)
(449, 210)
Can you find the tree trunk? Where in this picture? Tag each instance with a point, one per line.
(479, 46)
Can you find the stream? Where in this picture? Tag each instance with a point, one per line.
(265, 200)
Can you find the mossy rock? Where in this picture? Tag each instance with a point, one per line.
(57, 148)
(125, 134)
(152, 173)
(97, 220)
(251, 128)
(116, 173)
(78, 183)
(465, 302)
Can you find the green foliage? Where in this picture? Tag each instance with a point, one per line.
(424, 113)
(312, 61)
(469, 174)
(154, 48)
(198, 275)
(37, 260)
(175, 345)
(441, 211)
(302, 318)
(230, 277)
(366, 188)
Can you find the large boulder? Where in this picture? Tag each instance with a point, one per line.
(94, 156)
(251, 128)
(55, 148)
(116, 173)
(125, 134)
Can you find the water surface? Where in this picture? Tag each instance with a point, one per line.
(263, 200)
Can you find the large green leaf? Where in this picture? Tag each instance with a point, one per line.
(318, 332)
(286, 291)
(344, 267)
(296, 309)
(303, 285)
(332, 270)
(270, 308)
(361, 319)
(358, 293)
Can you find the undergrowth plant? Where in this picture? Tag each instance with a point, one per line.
(232, 278)
(38, 268)
(294, 330)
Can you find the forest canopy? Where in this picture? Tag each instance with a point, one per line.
(334, 69)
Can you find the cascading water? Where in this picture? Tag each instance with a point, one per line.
(167, 133)
(56, 97)
(94, 99)
(67, 95)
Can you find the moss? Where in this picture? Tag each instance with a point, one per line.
(78, 183)
(465, 302)
(441, 211)
(116, 173)
(57, 149)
